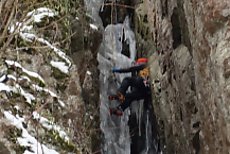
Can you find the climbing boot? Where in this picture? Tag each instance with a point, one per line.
(116, 111)
(113, 97)
(121, 97)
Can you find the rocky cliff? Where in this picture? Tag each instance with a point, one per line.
(49, 82)
(47, 96)
(190, 72)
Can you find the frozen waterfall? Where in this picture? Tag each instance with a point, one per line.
(117, 138)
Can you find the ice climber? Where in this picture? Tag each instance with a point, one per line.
(139, 83)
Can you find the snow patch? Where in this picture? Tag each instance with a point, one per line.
(4, 87)
(38, 88)
(56, 50)
(26, 139)
(17, 89)
(9, 76)
(17, 107)
(29, 97)
(2, 78)
(93, 26)
(38, 14)
(31, 37)
(88, 72)
(50, 126)
(24, 78)
(61, 66)
(30, 73)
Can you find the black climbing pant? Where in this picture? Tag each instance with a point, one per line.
(138, 91)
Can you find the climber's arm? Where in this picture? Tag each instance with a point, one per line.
(129, 69)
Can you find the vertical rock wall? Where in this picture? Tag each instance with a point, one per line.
(190, 72)
(84, 47)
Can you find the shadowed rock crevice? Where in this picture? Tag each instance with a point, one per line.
(125, 46)
(84, 45)
(176, 28)
(196, 142)
(164, 7)
(185, 37)
(180, 30)
(138, 139)
(115, 12)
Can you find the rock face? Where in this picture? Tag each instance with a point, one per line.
(48, 93)
(85, 58)
(190, 72)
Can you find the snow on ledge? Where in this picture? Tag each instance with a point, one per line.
(2, 78)
(50, 126)
(26, 139)
(30, 73)
(11, 77)
(31, 37)
(6, 88)
(61, 66)
(17, 89)
(39, 13)
(56, 50)
(38, 88)
(29, 97)
(25, 27)
(93, 26)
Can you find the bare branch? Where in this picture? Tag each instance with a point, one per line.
(8, 22)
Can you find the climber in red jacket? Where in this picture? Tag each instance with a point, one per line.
(140, 86)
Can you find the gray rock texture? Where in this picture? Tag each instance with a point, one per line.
(190, 72)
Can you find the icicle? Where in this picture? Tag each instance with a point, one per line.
(140, 109)
(102, 6)
(148, 132)
(130, 37)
